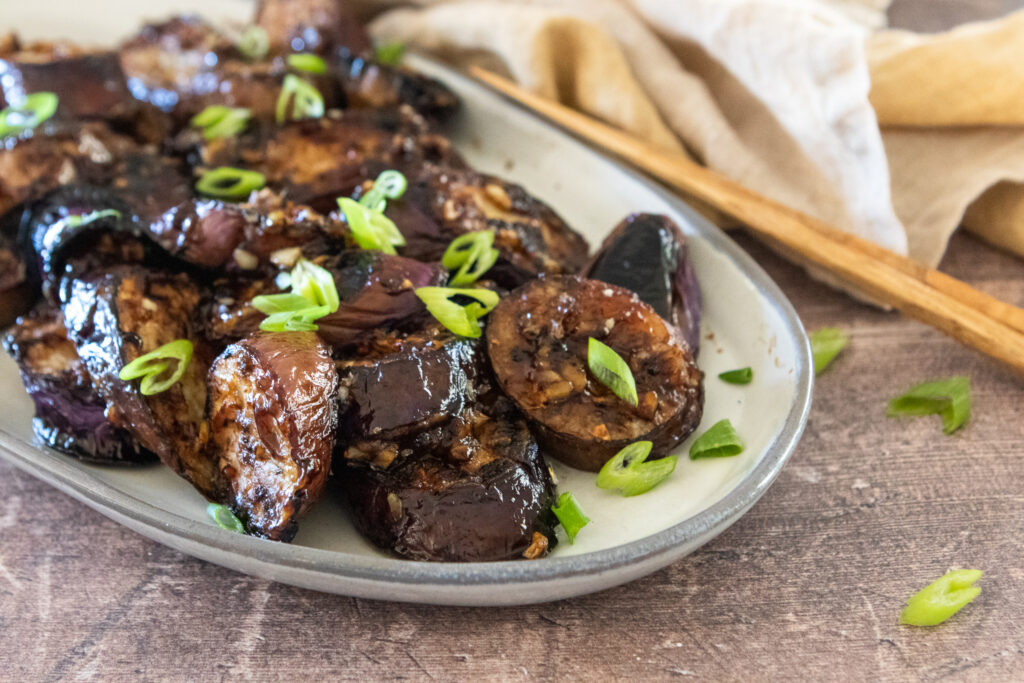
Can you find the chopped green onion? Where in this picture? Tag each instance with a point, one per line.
(313, 295)
(390, 184)
(462, 320)
(473, 254)
(370, 229)
(307, 62)
(155, 363)
(826, 344)
(307, 102)
(254, 42)
(741, 376)
(92, 216)
(27, 114)
(218, 121)
(230, 183)
(224, 518)
(949, 398)
(570, 515)
(613, 372)
(942, 598)
(631, 472)
(719, 441)
(389, 53)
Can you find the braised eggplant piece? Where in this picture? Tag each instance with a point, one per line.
(267, 232)
(89, 86)
(473, 490)
(395, 384)
(114, 317)
(70, 415)
(273, 416)
(56, 154)
(318, 26)
(226, 313)
(648, 255)
(316, 161)
(369, 84)
(538, 339)
(16, 294)
(377, 292)
(442, 203)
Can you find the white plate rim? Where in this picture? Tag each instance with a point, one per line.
(367, 576)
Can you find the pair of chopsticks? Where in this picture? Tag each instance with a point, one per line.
(968, 315)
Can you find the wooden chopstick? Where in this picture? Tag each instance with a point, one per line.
(972, 317)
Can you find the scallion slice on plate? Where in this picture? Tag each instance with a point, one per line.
(948, 398)
(389, 53)
(91, 217)
(472, 254)
(28, 113)
(224, 518)
(461, 318)
(942, 598)
(740, 376)
(719, 441)
(310, 63)
(306, 101)
(570, 515)
(611, 370)
(313, 295)
(630, 472)
(254, 43)
(227, 182)
(218, 121)
(153, 365)
(826, 344)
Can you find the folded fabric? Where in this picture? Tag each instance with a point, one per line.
(780, 95)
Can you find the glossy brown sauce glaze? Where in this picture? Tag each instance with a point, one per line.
(537, 339)
(272, 420)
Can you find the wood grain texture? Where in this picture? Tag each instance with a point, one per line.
(807, 586)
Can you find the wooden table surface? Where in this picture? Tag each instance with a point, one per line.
(807, 586)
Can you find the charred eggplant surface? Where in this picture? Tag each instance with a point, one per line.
(474, 490)
(272, 422)
(538, 338)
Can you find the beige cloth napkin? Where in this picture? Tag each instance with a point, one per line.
(780, 95)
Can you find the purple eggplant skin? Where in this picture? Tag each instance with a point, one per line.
(377, 292)
(115, 316)
(370, 84)
(473, 490)
(317, 26)
(70, 415)
(273, 417)
(538, 340)
(89, 86)
(404, 383)
(648, 254)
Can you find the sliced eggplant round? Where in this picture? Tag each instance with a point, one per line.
(398, 384)
(273, 416)
(538, 339)
(648, 255)
(115, 316)
(70, 414)
(475, 490)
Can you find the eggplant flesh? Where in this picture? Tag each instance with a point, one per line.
(537, 339)
(115, 316)
(312, 26)
(649, 255)
(397, 384)
(473, 490)
(442, 203)
(70, 415)
(377, 292)
(273, 416)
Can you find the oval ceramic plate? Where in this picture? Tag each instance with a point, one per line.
(748, 322)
